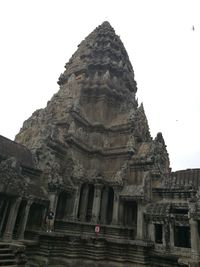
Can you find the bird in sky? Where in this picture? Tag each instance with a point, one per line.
(193, 28)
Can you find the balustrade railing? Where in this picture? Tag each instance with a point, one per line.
(106, 231)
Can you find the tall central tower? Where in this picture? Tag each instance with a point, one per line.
(94, 120)
(92, 142)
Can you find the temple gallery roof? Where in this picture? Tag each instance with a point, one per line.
(9, 148)
(158, 209)
(132, 191)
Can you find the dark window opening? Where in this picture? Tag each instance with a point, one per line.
(35, 217)
(90, 203)
(81, 199)
(159, 233)
(199, 228)
(106, 208)
(182, 236)
(20, 216)
(110, 206)
(4, 214)
(180, 211)
(103, 206)
(130, 213)
(64, 206)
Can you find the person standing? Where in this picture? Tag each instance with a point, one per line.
(50, 220)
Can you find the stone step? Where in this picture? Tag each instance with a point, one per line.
(6, 256)
(5, 250)
(7, 262)
(4, 245)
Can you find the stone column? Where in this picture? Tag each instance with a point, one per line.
(140, 221)
(76, 203)
(166, 235)
(44, 218)
(53, 198)
(171, 230)
(96, 203)
(151, 231)
(121, 212)
(84, 202)
(194, 239)
(115, 216)
(24, 219)
(104, 203)
(1, 203)
(12, 219)
(4, 215)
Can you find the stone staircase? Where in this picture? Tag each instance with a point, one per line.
(12, 255)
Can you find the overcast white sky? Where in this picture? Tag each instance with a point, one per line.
(37, 38)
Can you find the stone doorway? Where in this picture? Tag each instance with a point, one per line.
(130, 213)
(64, 206)
(106, 208)
(36, 217)
(90, 203)
(4, 213)
(20, 215)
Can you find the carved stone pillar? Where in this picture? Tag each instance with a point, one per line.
(194, 239)
(104, 203)
(115, 217)
(53, 198)
(96, 203)
(76, 203)
(171, 230)
(44, 218)
(166, 235)
(121, 212)
(84, 202)
(1, 203)
(140, 221)
(24, 219)
(4, 216)
(11, 219)
(151, 232)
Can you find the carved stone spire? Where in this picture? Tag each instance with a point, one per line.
(94, 120)
(102, 50)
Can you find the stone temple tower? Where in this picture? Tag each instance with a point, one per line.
(93, 139)
(98, 161)
(89, 157)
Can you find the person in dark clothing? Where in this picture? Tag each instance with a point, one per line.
(50, 220)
